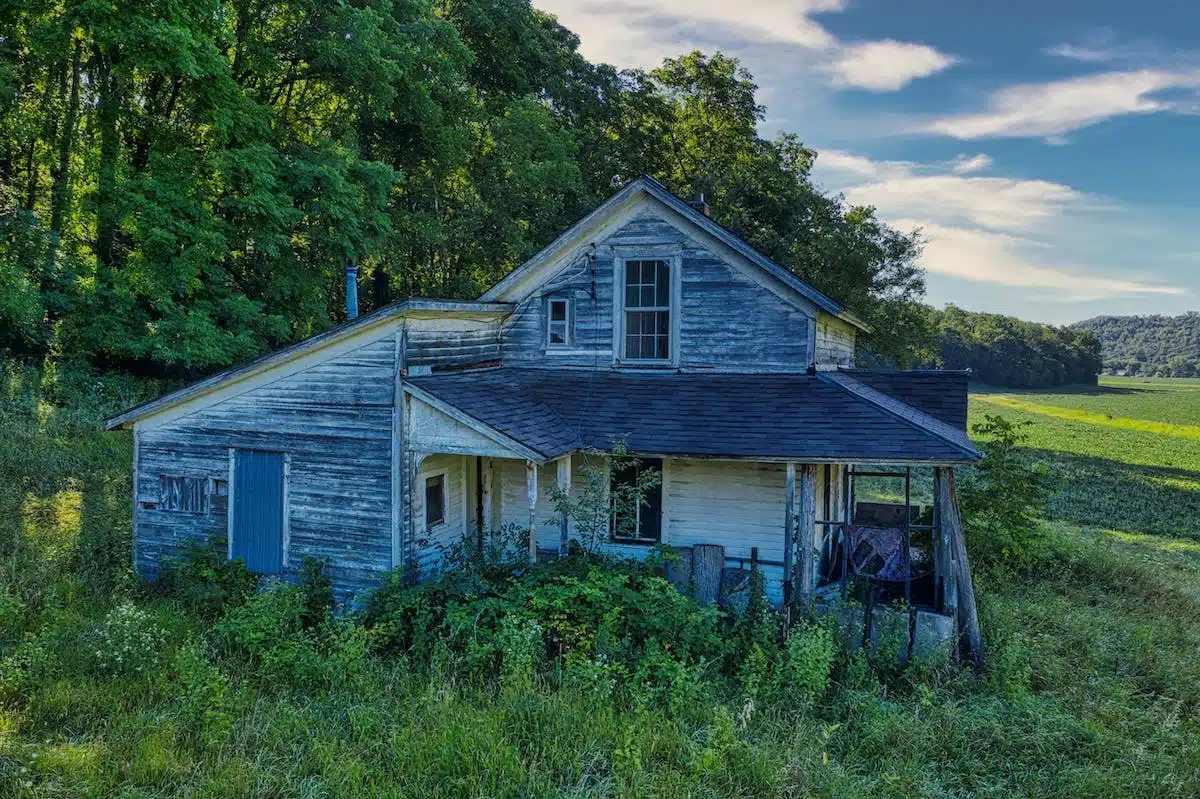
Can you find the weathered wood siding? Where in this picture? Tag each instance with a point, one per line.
(834, 342)
(726, 319)
(451, 342)
(334, 420)
(432, 544)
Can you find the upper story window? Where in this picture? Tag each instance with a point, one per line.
(647, 310)
(558, 325)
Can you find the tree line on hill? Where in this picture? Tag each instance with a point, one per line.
(1005, 351)
(183, 183)
(1156, 345)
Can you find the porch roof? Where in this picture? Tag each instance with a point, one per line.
(805, 417)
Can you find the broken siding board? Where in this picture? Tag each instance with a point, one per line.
(334, 420)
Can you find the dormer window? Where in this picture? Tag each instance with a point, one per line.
(647, 310)
(558, 324)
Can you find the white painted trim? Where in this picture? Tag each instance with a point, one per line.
(229, 511)
(286, 533)
(137, 438)
(531, 495)
(563, 478)
(466, 497)
(569, 323)
(473, 423)
(675, 264)
(424, 477)
(665, 531)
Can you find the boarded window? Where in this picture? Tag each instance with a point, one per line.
(558, 326)
(637, 521)
(192, 494)
(435, 500)
(647, 310)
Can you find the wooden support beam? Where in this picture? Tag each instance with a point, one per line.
(789, 535)
(806, 524)
(488, 478)
(531, 491)
(969, 635)
(564, 485)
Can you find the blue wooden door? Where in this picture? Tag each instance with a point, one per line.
(258, 510)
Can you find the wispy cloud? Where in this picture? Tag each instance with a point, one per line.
(993, 230)
(1056, 108)
(640, 33)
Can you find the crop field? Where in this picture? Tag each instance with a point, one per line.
(1093, 688)
(1127, 455)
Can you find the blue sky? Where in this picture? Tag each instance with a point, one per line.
(1049, 151)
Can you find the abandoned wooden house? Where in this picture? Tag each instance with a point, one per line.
(375, 444)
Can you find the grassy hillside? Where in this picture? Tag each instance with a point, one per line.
(1094, 688)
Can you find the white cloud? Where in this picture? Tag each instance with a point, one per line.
(966, 164)
(640, 33)
(887, 65)
(991, 230)
(1058, 107)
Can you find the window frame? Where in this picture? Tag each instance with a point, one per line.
(568, 323)
(672, 256)
(662, 510)
(440, 474)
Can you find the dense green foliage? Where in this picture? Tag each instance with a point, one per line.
(1093, 688)
(1162, 346)
(1005, 351)
(182, 183)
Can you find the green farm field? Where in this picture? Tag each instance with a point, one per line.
(1093, 688)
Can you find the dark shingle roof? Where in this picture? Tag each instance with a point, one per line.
(942, 395)
(715, 415)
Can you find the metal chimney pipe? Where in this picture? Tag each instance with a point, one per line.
(351, 292)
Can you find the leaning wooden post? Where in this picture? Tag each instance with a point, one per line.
(806, 528)
(967, 616)
(531, 489)
(564, 485)
(789, 534)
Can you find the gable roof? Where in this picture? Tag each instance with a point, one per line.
(346, 330)
(756, 416)
(940, 393)
(651, 187)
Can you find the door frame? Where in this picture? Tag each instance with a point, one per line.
(285, 501)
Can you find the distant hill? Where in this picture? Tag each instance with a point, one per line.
(1006, 351)
(1164, 346)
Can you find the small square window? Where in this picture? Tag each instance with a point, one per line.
(558, 325)
(435, 500)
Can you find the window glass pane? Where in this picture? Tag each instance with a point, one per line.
(435, 510)
(558, 332)
(661, 350)
(632, 349)
(662, 322)
(631, 296)
(647, 297)
(558, 310)
(664, 287)
(631, 271)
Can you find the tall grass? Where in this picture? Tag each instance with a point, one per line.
(1094, 687)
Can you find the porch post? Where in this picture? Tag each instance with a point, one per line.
(487, 477)
(789, 534)
(564, 485)
(950, 518)
(531, 489)
(806, 524)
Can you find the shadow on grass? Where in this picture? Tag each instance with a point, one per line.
(1086, 391)
(1100, 492)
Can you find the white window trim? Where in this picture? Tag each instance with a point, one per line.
(443, 473)
(674, 258)
(568, 342)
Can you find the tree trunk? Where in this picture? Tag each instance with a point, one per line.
(107, 113)
(62, 175)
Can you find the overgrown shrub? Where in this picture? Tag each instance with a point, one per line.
(204, 580)
(1003, 496)
(129, 642)
(204, 702)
